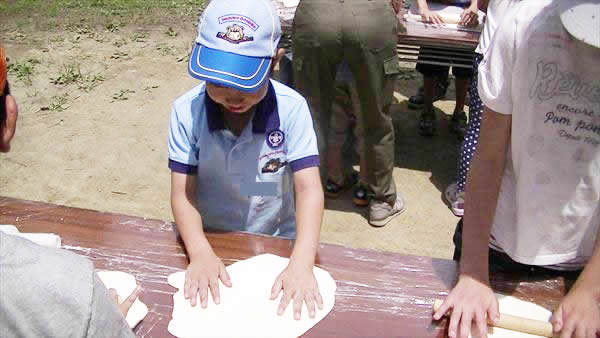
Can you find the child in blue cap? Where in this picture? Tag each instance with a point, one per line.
(243, 153)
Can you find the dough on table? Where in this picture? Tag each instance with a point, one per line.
(513, 306)
(43, 239)
(124, 284)
(246, 309)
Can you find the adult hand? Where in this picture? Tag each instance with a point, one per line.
(469, 17)
(397, 5)
(470, 300)
(8, 128)
(430, 16)
(578, 315)
(203, 274)
(126, 304)
(300, 285)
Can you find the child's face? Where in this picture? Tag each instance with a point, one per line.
(233, 100)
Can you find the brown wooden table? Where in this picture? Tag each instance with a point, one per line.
(379, 294)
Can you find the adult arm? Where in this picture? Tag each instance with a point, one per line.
(205, 267)
(472, 298)
(483, 5)
(297, 281)
(578, 314)
(470, 16)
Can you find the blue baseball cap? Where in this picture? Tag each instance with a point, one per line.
(235, 44)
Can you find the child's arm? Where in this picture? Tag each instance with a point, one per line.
(298, 281)
(205, 267)
(472, 298)
(427, 14)
(578, 314)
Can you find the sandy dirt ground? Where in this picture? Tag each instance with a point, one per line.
(92, 133)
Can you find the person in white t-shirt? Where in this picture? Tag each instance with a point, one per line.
(533, 191)
(454, 193)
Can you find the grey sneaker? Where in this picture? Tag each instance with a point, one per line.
(380, 213)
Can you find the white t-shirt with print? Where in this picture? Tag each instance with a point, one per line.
(493, 16)
(548, 205)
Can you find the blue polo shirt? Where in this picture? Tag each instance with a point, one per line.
(244, 183)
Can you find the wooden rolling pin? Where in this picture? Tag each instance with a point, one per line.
(520, 324)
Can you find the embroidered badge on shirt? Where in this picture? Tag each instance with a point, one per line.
(234, 34)
(275, 139)
(273, 165)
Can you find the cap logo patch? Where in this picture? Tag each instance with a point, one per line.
(275, 138)
(239, 19)
(234, 34)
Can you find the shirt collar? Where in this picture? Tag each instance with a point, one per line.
(266, 117)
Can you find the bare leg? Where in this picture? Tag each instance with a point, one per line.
(462, 84)
(427, 120)
(428, 93)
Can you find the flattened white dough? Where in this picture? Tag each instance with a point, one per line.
(245, 309)
(513, 306)
(124, 284)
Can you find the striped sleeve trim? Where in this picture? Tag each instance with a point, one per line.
(182, 168)
(305, 162)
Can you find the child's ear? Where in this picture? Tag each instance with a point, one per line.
(277, 57)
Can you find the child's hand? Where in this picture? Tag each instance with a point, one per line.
(298, 283)
(125, 305)
(578, 315)
(430, 16)
(469, 17)
(470, 300)
(202, 274)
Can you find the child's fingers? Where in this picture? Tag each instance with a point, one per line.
(568, 330)
(453, 325)
(465, 325)
(285, 300)
(114, 295)
(319, 299)
(224, 276)
(187, 286)
(190, 291)
(298, 299)
(556, 320)
(309, 299)
(203, 291)
(128, 302)
(213, 284)
(493, 312)
(276, 288)
(481, 324)
(446, 305)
